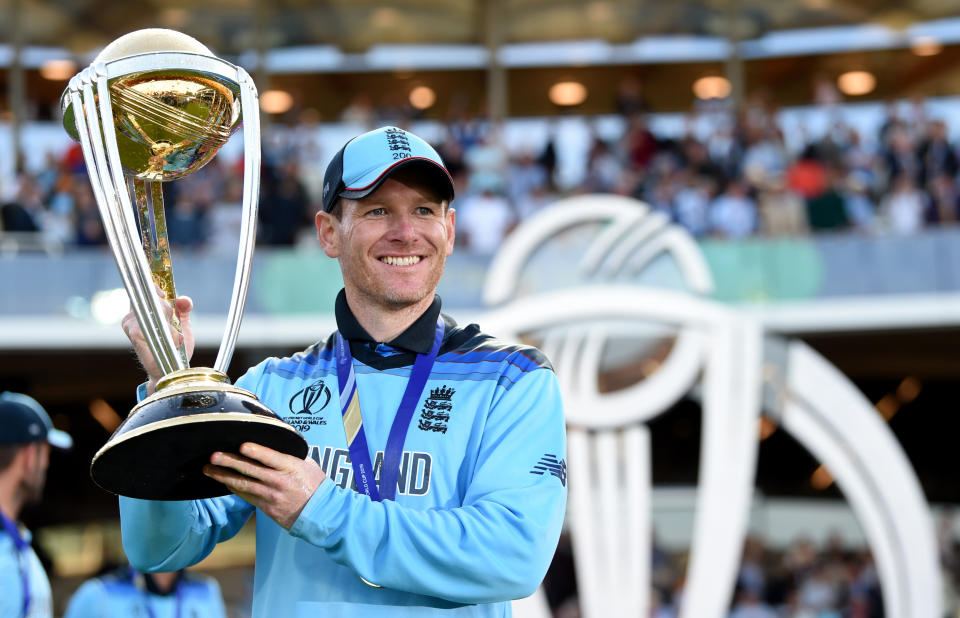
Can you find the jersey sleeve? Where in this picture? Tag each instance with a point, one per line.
(89, 601)
(163, 536)
(11, 586)
(496, 546)
(170, 535)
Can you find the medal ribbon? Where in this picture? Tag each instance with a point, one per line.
(21, 546)
(353, 421)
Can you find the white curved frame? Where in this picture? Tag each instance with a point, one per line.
(873, 472)
(607, 440)
(609, 552)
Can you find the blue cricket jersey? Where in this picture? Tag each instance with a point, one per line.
(13, 565)
(122, 594)
(481, 492)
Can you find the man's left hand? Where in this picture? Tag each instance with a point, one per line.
(278, 484)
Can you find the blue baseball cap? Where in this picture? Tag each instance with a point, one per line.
(367, 160)
(23, 420)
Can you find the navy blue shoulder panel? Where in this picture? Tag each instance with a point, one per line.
(303, 360)
(460, 344)
(472, 345)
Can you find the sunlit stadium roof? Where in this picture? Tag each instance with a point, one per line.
(325, 54)
(233, 26)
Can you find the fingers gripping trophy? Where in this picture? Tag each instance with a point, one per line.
(154, 106)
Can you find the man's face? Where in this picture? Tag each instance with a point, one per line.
(392, 244)
(35, 471)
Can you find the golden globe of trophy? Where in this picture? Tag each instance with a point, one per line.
(154, 106)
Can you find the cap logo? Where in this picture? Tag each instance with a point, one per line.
(326, 189)
(34, 429)
(398, 142)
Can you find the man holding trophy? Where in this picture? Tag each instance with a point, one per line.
(440, 486)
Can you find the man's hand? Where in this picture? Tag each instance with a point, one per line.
(279, 485)
(132, 329)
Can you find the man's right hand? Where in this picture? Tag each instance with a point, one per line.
(131, 327)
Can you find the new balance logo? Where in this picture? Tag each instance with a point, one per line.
(556, 467)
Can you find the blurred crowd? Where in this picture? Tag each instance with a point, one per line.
(806, 582)
(738, 181)
(802, 581)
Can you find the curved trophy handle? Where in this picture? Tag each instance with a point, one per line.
(250, 109)
(102, 158)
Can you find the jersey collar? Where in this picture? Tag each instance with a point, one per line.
(417, 338)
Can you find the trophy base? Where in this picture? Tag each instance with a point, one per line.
(159, 451)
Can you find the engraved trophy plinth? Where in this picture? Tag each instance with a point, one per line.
(154, 106)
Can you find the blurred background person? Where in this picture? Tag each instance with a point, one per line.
(125, 592)
(26, 435)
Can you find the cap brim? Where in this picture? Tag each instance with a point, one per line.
(59, 439)
(370, 182)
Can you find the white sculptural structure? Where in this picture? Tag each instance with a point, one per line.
(740, 372)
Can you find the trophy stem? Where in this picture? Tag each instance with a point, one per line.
(156, 247)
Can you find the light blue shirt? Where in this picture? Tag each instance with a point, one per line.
(119, 596)
(480, 500)
(12, 564)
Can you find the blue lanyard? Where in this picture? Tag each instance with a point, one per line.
(353, 422)
(142, 585)
(21, 546)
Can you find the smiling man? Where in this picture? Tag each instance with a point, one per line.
(438, 484)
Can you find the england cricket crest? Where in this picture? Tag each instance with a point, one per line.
(641, 283)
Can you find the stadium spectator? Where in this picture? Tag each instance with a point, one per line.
(944, 200)
(283, 207)
(226, 218)
(604, 168)
(525, 178)
(827, 211)
(26, 435)
(485, 220)
(89, 226)
(692, 203)
(733, 214)
(859, 208)
(486, 163)
(124, 592)
(937, 156)
(25, 212)
(807, 177)
(903, 209)
(639, 144)
(186, 223)
(900, 158)
(58, 220)
(782, 212)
